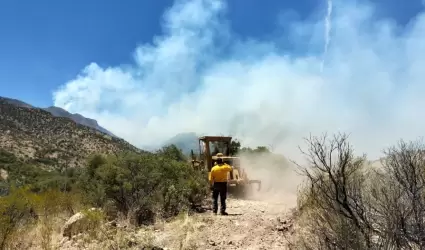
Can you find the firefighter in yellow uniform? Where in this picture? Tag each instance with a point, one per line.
(218, 182)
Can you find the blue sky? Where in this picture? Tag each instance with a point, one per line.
(45, 43)
(145, 67)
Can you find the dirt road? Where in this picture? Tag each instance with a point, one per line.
(251, 224)
(263, 222)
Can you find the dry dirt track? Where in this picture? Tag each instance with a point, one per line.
(251, 224)
(263, 222)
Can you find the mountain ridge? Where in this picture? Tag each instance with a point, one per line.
(60, 112)
(184, 141)
(36, 137)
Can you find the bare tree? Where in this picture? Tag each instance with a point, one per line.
(400, 198)
(352, 205)
(335, 196)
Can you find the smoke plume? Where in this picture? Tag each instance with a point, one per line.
(186, 80)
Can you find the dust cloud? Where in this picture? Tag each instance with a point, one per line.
(280, 178)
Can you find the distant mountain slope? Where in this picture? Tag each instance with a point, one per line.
(59, 112)
(35, 136)
(185, 141)
(16, 102)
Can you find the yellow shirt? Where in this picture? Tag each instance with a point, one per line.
(219, 173)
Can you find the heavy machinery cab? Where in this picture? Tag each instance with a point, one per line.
(209, 147)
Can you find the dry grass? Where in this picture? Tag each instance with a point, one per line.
(180, 233)
(47, 235)
(43, 235)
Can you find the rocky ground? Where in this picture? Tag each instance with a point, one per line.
(251, 224)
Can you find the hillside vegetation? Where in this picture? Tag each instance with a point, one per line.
(36, 137)
(52, 168)
(59, 112)
(137, 188)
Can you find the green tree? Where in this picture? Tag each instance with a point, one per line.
(235, 146)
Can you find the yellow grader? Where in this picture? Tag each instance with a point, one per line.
(209, 146)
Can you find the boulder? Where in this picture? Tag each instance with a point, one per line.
(78, 223)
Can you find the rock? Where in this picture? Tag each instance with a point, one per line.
(62, 241)
(280, 220)
(80, 242)
(111, 224)
(78, 223)
(131, 243)
(284, 226)
(3, 174)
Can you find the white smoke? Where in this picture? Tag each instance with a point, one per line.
(186, 81)
(328, 27)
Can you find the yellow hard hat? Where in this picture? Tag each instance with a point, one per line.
(219, 155)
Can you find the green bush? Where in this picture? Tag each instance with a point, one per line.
(16, 210)
(7, 157)
(143, 186)
(140, 186)
(22, 208)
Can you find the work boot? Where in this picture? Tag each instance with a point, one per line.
(223, 213)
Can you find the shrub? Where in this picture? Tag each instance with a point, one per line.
(347, 204)
(6, 157)
(15, 210)
(142, 186)
(22, 208)
(399, 195)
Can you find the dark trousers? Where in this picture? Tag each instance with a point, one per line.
(219, 189)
